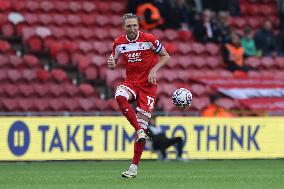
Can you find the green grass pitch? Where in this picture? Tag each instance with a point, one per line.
(196, 174)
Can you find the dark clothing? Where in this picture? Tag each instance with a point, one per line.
(231, 65)
(161, 142)
(200, 32)
(216, 5)
(265, 41)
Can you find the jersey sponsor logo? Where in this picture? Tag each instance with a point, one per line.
(134, 57)
(150, 102)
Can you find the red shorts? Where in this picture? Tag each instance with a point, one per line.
(144, 95)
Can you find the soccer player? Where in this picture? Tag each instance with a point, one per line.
(143, 55)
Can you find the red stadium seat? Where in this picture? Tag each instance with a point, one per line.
(35, 44)
(71, 89)
(15, 60)
(56, 105)
(239, 22)
(59, 19)
(198, 89)
(43, 75)
(41, 90)
(185, 35)
(14, 75)
(87, 90)
(115, 20)
(45, 19)
(103, 6)
(47, 6)
(253, 62)
(32, 6)
(200, 103)
(102, 21)
(61, 6)
(85, 46)
(26, 104)
(166, 104)
(171, 34)
(86, 33)
(91, 74)
(184, 48)
(5, 5)
(59, 75)
(42, 104)
(267, 62)
(113, 105)
(212, 49)
(3, 77)
(5, 47)
(4, 61)
(83, 63)
(56, 90)
(8, 29)
(11, 90)
(86, 104)
(63, 59)
(101, 105)
(75, 7)
(226, 103)
(88, 6)
(74, 20)
(10, 104)
(88, 19)
(31, 19)
(30, 61)
(198, 48)
(279, 62)
(117, 7)
(158, 33)
(213, 61)
(29, 75)
(71, 104)
(198, 61)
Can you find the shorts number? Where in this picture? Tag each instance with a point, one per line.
(150, 102)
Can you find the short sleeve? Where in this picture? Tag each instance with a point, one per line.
(156, 45)
(115, 50)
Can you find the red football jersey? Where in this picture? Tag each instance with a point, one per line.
(139, 56)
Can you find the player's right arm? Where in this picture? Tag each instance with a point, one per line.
(111, 62)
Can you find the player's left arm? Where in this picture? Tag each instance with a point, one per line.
(164, 57)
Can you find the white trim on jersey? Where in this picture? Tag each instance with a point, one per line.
(138, 46)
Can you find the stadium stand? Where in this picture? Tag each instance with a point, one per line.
(58, 63)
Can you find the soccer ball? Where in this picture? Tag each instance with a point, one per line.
(182, 98)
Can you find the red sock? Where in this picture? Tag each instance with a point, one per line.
(138, 149)
(128, 111)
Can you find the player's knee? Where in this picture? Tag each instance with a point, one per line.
(121, 93)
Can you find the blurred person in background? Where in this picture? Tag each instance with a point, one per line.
(182, 14)
(205, 30)
(160, 142)
(149, 15)
(280, 6)
(265, 40)
(223, 27)
(214, 110)
(233, 54)
(248, 43)
(142, 55)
